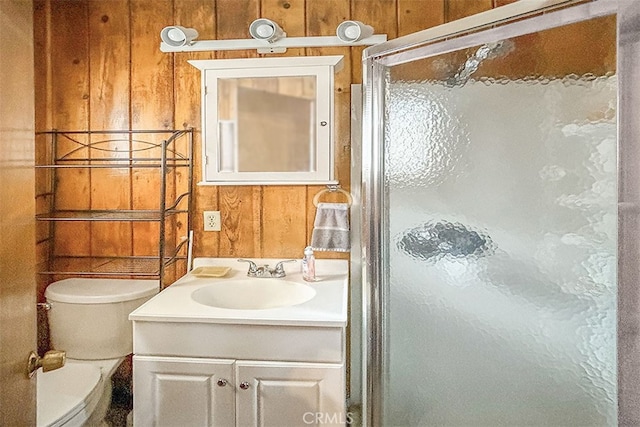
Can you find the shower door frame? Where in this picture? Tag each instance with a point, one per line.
(374, 206)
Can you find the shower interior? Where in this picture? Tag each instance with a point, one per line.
(500, 187)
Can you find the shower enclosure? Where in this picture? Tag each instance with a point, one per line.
(500, 219)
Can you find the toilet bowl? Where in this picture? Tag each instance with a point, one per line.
(88, 319)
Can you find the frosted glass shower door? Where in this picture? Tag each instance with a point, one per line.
(500, 187)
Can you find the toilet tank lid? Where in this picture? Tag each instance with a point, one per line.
(100, 291)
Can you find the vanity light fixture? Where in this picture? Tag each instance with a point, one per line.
(269, 37)
(177, 36)
(352, 31)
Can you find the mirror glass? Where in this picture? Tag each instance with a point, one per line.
(267, 124)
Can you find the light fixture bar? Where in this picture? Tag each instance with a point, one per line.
(276, 47)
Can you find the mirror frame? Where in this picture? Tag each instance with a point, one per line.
(322, 67)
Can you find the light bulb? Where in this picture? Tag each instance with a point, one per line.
(265, 30)
(175, 34)
(352, 32)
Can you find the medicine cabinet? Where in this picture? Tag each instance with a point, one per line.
(268, 120)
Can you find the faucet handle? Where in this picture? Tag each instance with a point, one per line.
(279, 268)
(252, 265)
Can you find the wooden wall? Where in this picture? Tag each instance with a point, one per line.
(98, 66)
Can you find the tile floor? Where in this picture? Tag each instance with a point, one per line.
(121, 402)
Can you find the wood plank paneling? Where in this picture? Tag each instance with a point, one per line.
(232, 22)
(382, 15)
(240, 211)
(152, 105)
(109, 49)
(200, 14)
(457, 9)
(283, 226)
(417, 15)
(498, 3)
(322, 19)
(289, 14)
(70, 103)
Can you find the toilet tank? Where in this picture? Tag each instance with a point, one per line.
(89, 317)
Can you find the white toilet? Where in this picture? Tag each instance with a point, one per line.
(88, 319)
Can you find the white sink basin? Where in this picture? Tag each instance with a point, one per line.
(253, 294)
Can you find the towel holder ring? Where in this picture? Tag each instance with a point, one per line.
(332, 189)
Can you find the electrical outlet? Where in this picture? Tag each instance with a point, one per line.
(212, 221)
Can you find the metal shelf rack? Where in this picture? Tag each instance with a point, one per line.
(166, 151)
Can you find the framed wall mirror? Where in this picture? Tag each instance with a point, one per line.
(268, 120)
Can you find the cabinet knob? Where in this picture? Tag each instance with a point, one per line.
(222, 382)
(244, 385)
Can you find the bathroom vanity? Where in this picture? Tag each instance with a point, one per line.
(207, 352)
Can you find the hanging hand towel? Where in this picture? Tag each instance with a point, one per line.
(331, 228)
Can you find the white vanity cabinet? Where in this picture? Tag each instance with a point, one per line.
(175, 391)
(195, 365)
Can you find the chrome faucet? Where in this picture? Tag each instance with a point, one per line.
(264, 270)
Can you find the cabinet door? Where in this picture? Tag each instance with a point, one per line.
(170, 391)
(290, 394)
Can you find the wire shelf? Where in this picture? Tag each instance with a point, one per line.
(162, 150)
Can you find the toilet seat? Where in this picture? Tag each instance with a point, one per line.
(68, 396)
(107, 366)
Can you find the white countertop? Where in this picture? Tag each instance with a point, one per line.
(327, 308)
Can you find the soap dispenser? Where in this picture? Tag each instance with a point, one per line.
(309, 265)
